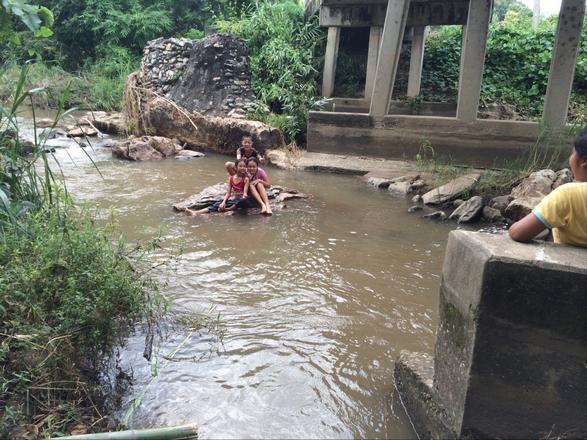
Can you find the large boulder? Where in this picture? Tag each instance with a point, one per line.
(529, 193)
(451, 190)
(215, 193)
(146, 148)
(217, 79)
(538, 184)
(161, 117)
(198, 92)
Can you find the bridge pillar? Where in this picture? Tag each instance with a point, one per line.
(372, 58)
(473, 59)
(391, 43)
(564, 60)
(330, 61)
(417, 60)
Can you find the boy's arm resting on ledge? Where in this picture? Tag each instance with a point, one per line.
(526, 229)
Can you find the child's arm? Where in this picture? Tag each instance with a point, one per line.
(260, 157)
(526, 229)
(265, 182)
(226, 197)
(246, 190)
(238, 154)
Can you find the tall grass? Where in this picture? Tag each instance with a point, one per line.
(69, 290)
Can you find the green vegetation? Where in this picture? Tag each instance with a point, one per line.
(96, 44)
(69, 289)
(516, 67)
(285, 64)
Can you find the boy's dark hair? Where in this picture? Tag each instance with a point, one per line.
(581, 144)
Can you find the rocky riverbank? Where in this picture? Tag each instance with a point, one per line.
(462, 198)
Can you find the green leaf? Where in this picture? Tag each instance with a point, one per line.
(43, 32)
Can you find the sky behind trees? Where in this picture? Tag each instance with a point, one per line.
(547, 7)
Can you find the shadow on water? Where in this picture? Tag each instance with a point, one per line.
(317, 301)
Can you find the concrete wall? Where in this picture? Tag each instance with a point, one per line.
(372, 13)
(511, 345)
(483, 142)
(361, 105)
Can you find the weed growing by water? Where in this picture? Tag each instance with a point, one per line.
(69, 291)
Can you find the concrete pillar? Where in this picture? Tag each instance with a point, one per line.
(536, 14)
(330, 61)
(391, 44)
(473, 59)
(372, 57)
(564, 59)
(511, 342)
(417, 60)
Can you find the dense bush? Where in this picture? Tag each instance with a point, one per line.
(69, 290)
(285, 61)
(517, 64)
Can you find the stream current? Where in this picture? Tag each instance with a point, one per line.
(316, 301)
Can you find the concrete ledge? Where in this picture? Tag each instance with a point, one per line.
(361, 105)
(484, 142)
(511, 343)
(413, 376)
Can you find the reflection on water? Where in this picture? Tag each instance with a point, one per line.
(317, 300)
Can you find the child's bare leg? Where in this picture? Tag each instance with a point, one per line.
(192, 212)
(230, 168)
(263, 193)
(258, 198)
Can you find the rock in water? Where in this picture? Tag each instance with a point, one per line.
(468, 211)
(451, 190)
(215, 193)
(146, 148)
(436, 215)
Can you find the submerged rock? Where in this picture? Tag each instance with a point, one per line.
(436, 215)
(146, 148)
(451, 190)
(277, 195)
(501, 202)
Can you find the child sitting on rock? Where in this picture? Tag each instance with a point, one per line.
(238, 186)
(246, 151)
(564, 211)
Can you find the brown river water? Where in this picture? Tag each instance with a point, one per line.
(316, 301)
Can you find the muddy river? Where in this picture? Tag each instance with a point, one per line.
(315, 302)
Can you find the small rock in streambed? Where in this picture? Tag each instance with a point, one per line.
(188, 154)
(82, 131)
(417, 199)
(501, 202)
(563, 176)
(458, 202)
(436, 215)
(105, 143)
(468, 211)
(415, 208)
(378, 182)
(492, 215)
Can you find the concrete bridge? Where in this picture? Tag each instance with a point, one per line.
(378, 126)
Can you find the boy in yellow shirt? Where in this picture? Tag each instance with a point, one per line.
(564, 210)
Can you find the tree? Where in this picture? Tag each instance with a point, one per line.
(502, 7)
